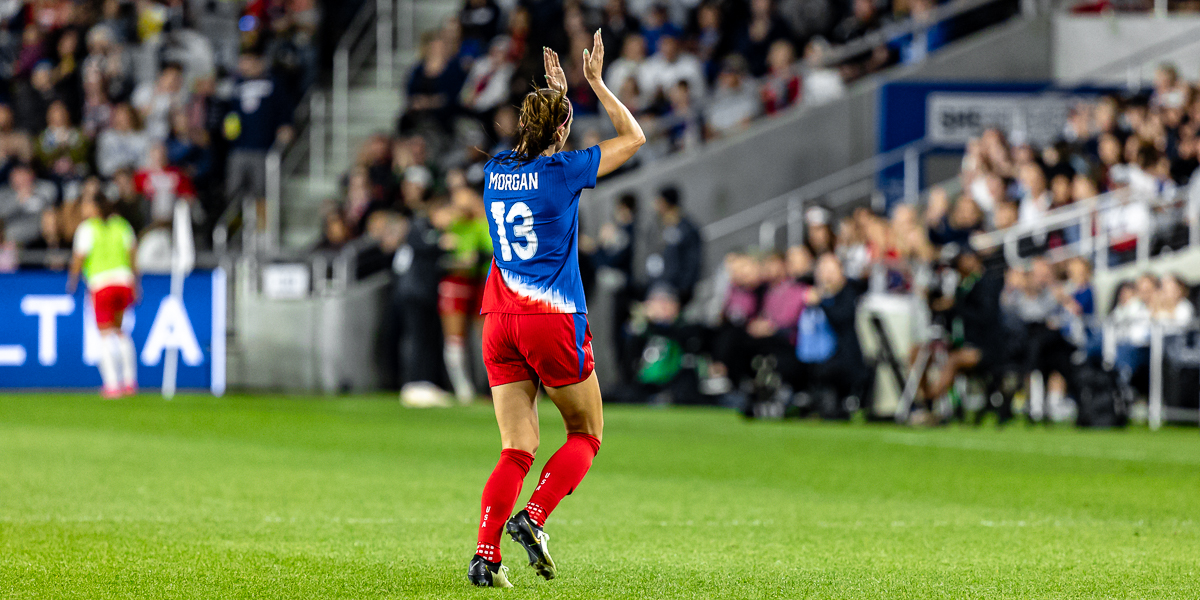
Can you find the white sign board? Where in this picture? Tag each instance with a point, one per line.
(286, 282)
(956, 117)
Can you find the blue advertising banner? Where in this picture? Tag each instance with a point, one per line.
(950, 113)
(49, 340)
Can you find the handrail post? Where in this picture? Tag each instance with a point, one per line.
(795, 221)
(408, 20)
(912, 175)
(341, 104)
(384, 51)
(1143, 239)
(766, 236)
(274, 197)
(1155, 416)
(249, 226)
(1102, 251)
(316, 138)
(1193, 212)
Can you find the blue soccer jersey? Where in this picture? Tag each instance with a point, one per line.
(533, 215)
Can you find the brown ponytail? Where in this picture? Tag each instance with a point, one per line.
(543, 113)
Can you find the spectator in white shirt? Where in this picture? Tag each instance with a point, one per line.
(487, 85)
(22, 202)
(121, 146)
(1173, 310)
(735, 101)
(154, 101)
(670, 65)
(821, 84)
(631, 65)
(1037, 199)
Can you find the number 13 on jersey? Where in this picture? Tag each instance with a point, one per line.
(522, 230)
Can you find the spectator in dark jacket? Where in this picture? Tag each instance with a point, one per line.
(678, 265)
(615, 251)
(418, 268)
(433, 89)
(260, 115)
(976, 307)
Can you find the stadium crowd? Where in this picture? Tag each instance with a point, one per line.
(676, 342)
(145, 102)
(689, 71)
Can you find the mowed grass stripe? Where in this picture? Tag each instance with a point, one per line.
(271, 497)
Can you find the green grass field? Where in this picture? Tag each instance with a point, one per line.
(268, 497)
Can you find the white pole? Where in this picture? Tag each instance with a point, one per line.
(183, 257)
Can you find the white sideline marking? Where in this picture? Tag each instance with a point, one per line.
(1067, 451)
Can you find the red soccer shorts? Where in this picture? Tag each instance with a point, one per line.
(555, 348)
(110, 301)
(458, 295)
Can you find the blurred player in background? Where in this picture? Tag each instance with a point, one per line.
(535, 328)
(466, 242)
(104, 250)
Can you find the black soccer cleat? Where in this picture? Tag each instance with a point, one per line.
(482, 573)
(531, 537)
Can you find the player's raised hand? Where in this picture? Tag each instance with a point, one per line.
(556, 78)
(593, 62)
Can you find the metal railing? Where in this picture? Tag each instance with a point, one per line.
(1089, 219)
(1157, 412)
(834, 190)
(910, 26)
(349, 60)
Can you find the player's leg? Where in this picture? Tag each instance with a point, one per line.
(563, 359)
(453, 298)
(108, 326)
(126, 354)
(516, 414)
(514, 397)
(583, 416)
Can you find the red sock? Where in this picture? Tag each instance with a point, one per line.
(561, 474)
(499, 497)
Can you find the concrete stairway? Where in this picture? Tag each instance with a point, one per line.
(372, 109)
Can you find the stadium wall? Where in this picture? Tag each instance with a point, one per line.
(1086, 46)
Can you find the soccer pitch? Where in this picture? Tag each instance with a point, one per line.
(270, 497)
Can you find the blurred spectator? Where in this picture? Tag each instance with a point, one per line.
(670, 65)
(154, 101)
(163, 184)
(631, 65)
(123, 146)
(488, 82)
(678, 263)
(33, 97)
(9, 260)
(763, 29)
(734, 103)
(781, 88)
(260, 115)
(615, 251)
(914, 47)
(681, 123)
(480, 20)
(433, 89)
(22, 202)
(62, 149)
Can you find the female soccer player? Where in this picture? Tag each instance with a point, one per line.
(104, 251)
(535, 324)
